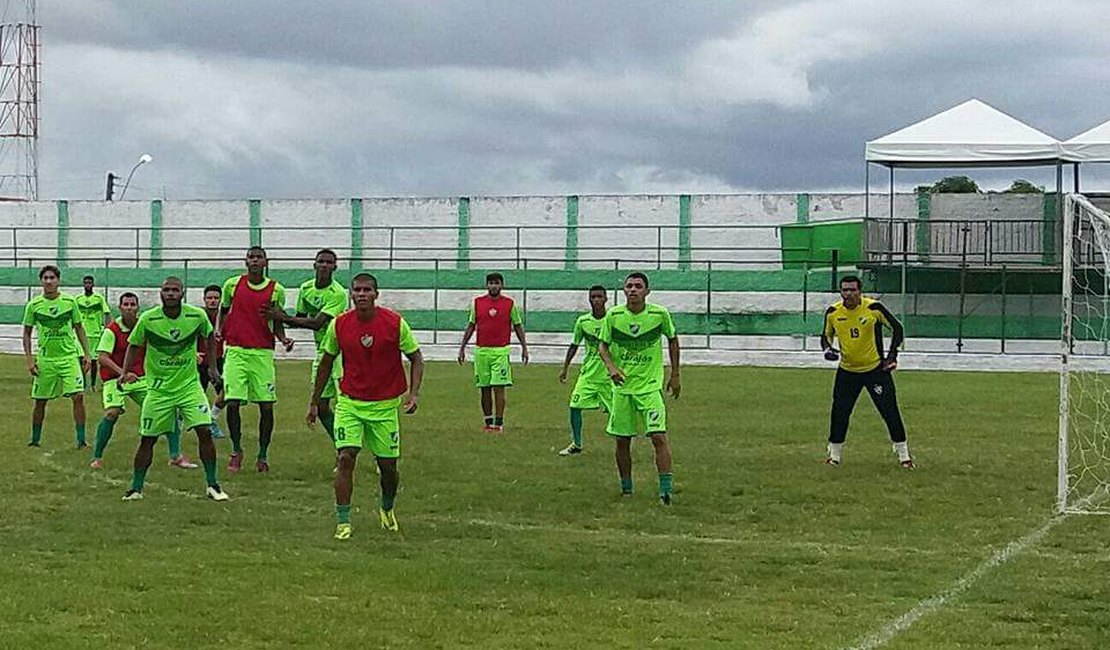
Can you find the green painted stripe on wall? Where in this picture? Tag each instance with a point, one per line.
(462, 259)
(923, 235)
(766, 324)
(1048, 234)
(255, 208)
(63, 233)
(571, 247)
(665, 280)
(156, 233)
(356, 235)
(684, 231)
(802, 203)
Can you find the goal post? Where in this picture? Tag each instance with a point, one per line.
(1083, 453)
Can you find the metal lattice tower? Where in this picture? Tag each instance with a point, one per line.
(19, 100)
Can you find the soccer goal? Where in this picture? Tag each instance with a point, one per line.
(1083, 474)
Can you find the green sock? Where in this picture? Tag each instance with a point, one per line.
(387, 502)
(576, 426)
(103, 435)
(489, 420)
(173, 439)
(666, 483)
(262, 449)
(342, 514)
(498, 422)
(80, 429)
(137, 479)
(36, 433)
(209, 471)
(327, 419)
(626, 485)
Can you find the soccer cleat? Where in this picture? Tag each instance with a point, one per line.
(343, 532)
(495, 428)
(183, 462)
(571, 450)
(235, 462)
(34, 443)
(215, 493)
(217, 432)
(664, 499)
(626, 494)
(97, 463)
(487, 428)
(82, 445)
(907, 464)
(262, 466)
(133, 495)
(389, 522)
(832, 461)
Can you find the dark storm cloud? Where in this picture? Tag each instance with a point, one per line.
(253, 98)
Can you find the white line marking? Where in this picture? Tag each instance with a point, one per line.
(937, 601)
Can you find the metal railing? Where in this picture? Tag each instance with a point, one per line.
(953, 242)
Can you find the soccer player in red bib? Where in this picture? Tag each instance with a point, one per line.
(494, 316)
(369, 340)
(249, 356)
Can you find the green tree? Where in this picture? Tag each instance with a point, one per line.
(1022, 186)
(955, 185)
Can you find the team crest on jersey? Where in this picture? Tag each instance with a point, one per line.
(634, 328)
(54, 310)
(492, 312)
(863, 321)
(877, 389)
(367, 340)
(175, 333)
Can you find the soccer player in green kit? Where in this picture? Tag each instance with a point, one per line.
(95, 316)
(319, 300)
(631, 353)
(593, 389)
(111, 351)
(370, 341)
(170, 335)
(61, 361)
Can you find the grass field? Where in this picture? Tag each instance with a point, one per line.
(505, 545)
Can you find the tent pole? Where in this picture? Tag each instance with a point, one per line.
(866, 190)
(890, 228)
(1075, 177)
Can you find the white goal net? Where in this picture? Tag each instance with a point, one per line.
(1084, 439)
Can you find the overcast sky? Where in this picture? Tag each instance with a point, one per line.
(275, 98)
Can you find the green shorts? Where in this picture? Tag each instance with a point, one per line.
(331, 389)
(58, 377)
(594, 394)
(631, 412)
(249, 375)
(492, 367)
(161, 408)
(114, 394)
(375, 423)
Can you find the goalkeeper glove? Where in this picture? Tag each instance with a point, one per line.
(831, 354)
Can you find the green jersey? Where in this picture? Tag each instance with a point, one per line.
(54, 320)
(311, 301)
(171, 346)
(633, 341)
(93, 308)
(587, 331)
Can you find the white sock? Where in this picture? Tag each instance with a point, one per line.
(903, 451)
(215, 412)
(835, 449)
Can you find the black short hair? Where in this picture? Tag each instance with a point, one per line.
(213, 287)
(88, 277)
(365, 276)
(127, 294)
(174, 278)
(495, 277)
(637, 274)
(598, 287)
(257, 248)
(50, 267)
(852, 278)
(326, 251)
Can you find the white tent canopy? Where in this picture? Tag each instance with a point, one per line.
(1089, 146)
(972, 134)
